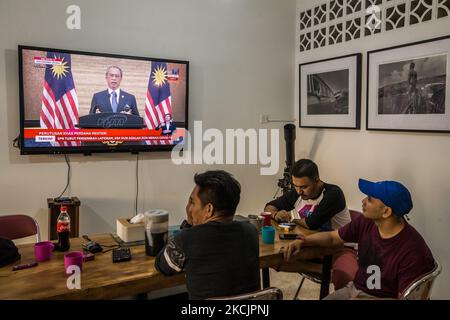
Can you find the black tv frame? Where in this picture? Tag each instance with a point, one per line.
(88, 150)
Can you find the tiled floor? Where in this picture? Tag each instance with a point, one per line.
(288, 283)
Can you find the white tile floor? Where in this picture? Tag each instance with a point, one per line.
(288, 283)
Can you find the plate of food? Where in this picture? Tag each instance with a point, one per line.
(287, 226)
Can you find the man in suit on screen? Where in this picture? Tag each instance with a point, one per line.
(114, 99)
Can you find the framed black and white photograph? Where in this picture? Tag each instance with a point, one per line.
(407, 87)
(330, 93)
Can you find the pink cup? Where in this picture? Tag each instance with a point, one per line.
(43, 251)
(73, 258)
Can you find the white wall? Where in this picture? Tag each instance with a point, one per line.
(419, 160)
(241, 57)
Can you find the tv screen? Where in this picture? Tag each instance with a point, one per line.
(82, 102)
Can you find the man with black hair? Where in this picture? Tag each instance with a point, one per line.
(219, 256)
(391, 253)
(315, 205)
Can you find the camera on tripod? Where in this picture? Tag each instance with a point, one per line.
(285, 183)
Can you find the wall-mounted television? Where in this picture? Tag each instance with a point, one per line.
(84, 102)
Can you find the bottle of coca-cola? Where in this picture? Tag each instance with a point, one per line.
(63, 230)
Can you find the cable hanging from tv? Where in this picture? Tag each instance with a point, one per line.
(69, 171)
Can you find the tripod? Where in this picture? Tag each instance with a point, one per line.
(285, 183)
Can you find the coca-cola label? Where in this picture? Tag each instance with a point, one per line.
(63, 226)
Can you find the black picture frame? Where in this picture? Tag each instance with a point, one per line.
(330, 93)
(417, 101)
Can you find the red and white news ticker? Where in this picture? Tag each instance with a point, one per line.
(86, 135)
(47, 61)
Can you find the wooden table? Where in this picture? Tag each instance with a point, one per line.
(102, 279)
(269, 256)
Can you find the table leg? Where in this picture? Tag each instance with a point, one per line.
(326, 276)
(265, 277)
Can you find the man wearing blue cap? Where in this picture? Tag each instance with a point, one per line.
(391, 253)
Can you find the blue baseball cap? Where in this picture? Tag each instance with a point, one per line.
(392, 193)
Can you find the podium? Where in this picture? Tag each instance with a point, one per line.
(54, 209)
(110, 120)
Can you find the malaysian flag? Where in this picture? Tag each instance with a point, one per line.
(158, 102)
(59, 98)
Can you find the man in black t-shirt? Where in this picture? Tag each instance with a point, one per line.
(315, 205)
(391, 253)
(219, 256)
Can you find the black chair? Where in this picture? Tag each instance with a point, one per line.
(317, 277)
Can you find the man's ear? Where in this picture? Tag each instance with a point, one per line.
(387, 212)
(209, 210)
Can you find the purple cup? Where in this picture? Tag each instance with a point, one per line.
(73, 258)
(43, 251)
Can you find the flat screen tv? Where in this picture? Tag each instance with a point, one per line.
(83, 102)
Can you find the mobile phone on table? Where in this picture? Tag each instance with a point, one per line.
(288, 236)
